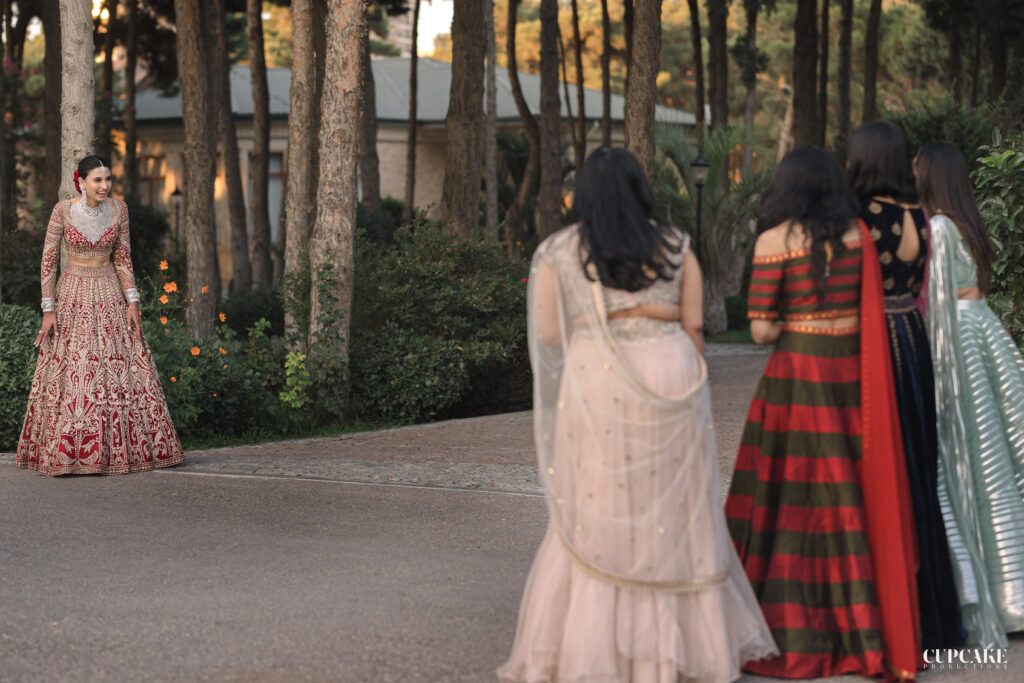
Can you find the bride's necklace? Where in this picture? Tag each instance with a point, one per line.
(92, 222)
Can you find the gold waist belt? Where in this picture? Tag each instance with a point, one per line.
(89, 262)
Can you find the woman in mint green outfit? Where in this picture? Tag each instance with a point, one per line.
(979, 392)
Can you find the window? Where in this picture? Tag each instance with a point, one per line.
(152, 180)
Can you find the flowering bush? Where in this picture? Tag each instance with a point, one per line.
(18, 329)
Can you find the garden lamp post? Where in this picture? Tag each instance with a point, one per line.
(701, 167)
(176, 202)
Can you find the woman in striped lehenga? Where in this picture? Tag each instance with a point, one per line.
(819, 506)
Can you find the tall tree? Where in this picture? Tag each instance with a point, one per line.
(628, 25)
(4, 199)
(198, 163)
(410, 145)
(331, 243)
(805, 71)
(531, 172)
(606, 74)
(843, 74)
(320, 57)
(50, 16)
(549, 198)
(106, 116)
(751, 61)
(460, 195)
(698, 63)
(823, 39)
(241, 270)
(1000, 57)
(975, 67)
(871, 62)
(642, 86)
(369, 161)
(491, 128)
(209, 49)
(581, 107)
(262, 270)
(77, 88)
(718, 62)
(300, 207)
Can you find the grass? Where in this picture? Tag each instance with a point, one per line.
(259, 435)
(733, 337)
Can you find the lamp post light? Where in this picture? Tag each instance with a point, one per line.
(176, 203)
(701, 167)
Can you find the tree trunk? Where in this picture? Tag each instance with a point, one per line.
(823, 74)
(871, 62)
(999, 62)
(410, 145)
(460, 195)
(320, 56)
(241, 270)
(549, 198)
(786, 129)
(369, 162)
(805, 71)
(77, 88)
(198, 162)
(606, 75)
(4, 199)
(300, 209)
(331, 243)
(210, 50)
(262, 270)
(843, 78)
(698, 64)
(51, 105)
(718, 62)
(491, 128)
(581, 107)
(516, 216)
(642, 92)
(750, 81)
(956, 62)
(106, 117)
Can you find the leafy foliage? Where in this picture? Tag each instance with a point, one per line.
(999, 180)
(965, 128)
(20, 254)
(18, 329)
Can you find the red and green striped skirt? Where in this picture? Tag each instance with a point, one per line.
(796, 515)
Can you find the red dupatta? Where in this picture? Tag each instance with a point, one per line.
(884, 481)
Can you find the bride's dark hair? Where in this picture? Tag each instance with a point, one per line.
(88, 163)
(808, 188)
(620, 238)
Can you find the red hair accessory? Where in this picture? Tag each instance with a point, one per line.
(78, 187)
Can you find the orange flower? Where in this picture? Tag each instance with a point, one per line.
(205, 290)
(215, 395)
(223, 318)
(163, 320)
(174, 379)
(171, 287)
(163, 298)
(225, 366)
(163, 265)
(195, 350)
(221, 349)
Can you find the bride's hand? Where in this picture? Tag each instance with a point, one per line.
(49, 327)
(135, 320)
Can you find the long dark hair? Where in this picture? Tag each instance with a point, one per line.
(878, 163)
(619, 236)
(944, 185)
(808, 188)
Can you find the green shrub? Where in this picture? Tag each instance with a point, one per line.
(436, 295)
(244, 309)
(18, 329)
(381, 225)
(999, 181)
(148, 229)
(966, 128)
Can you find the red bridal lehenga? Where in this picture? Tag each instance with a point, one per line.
(96, 406)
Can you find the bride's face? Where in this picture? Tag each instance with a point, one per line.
(96, 185)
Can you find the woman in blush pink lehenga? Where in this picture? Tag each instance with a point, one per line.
(96, 406)
(636, 579)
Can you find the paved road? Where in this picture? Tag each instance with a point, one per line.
(390, 556)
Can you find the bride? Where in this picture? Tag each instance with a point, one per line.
(96, 406)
